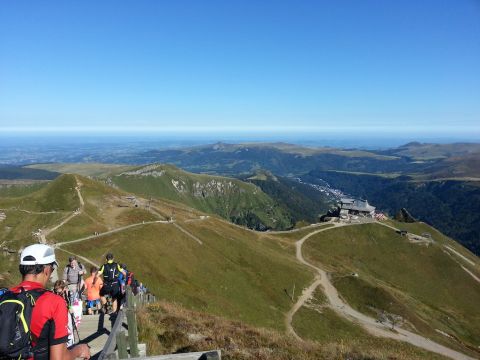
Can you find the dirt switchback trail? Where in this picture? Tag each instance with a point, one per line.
(45, 232)
(111, 232)
(343, 309)
(31, 212)
(81, 258)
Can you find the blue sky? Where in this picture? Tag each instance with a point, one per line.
(202, 66)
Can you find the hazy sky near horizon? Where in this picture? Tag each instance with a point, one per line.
(349, 65)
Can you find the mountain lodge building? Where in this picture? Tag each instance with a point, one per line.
(350, 206)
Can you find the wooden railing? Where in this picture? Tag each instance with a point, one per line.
(117, 346)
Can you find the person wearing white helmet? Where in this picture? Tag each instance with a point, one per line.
(49, 319)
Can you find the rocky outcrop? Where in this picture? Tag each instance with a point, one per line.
(149, 170)
(404, 216)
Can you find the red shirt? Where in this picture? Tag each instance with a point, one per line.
(49, 325)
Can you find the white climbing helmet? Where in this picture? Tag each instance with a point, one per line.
(38, 254)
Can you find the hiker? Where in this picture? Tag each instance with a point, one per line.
(44, 333)
(60, 288)
(111, 286)
(127, 280)
(135, 287)
(72, 274)
(93, 284)
(123, 279)
(141, 288)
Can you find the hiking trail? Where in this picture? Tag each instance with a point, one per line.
(45, 232)
(343, 309)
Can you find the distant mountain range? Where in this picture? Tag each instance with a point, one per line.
(437, 183)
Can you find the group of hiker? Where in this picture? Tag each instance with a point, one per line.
(115, 279)
(37, 323)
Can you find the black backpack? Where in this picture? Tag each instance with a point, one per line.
(110, 273)
(15, 317)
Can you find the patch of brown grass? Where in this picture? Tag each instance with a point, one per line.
(167, 328)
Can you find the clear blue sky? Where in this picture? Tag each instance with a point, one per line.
(408, 66)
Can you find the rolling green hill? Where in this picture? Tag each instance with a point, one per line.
(232, 199)
(213, 267)
(421, 283)
(18, 172)
(17, 188)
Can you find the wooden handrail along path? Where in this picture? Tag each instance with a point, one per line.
(118, 346)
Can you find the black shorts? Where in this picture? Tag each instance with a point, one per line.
(112, 289)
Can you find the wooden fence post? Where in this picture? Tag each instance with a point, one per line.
(132, 324)
(122, 345)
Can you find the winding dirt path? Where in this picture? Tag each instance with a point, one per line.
(80, 197)
(449, 248)
(189, 234)
(45, 232)
(111, 232)
(29, 212)
(151, 209)
(475, 277)
(81, 257)
(343, 309)
(454, 258)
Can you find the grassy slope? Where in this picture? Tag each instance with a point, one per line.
(101, 212)
(441, 239)
(58, 195)
(231, 197)
(16, 230)
(292, 236)
(19, 190)
(242, 275)
(167, 328)
(18, 173)
(421, 283)
(321, 324)
(233, 273)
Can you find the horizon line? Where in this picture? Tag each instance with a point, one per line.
(157, 130)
